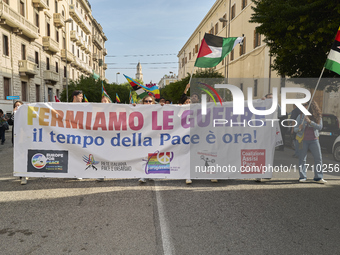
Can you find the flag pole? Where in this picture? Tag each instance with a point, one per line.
(191, 74)
(316, 87)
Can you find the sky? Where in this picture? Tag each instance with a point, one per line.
(136, 30)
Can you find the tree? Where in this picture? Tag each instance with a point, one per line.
(174, 90)
(299, 33)
(92, 89)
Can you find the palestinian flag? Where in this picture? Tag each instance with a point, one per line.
(104, 93)
(333, 59)
(137, 87)
(214, 49)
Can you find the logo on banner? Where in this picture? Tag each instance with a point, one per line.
(47, 161)
(39, 161)
(159, 162)
(252, 161)
(90, 162)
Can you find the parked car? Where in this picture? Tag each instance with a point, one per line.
(329, 135)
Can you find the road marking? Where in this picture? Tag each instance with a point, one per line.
(165, 233)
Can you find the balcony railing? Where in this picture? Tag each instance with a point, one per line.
(70, 56)
(50, 45)
(74, 36)
(80, 41)
(20, 24)
(51, 76)
(41, 4)
(27, 67)
(84, 45)
(96, 39)
(104, 51)
(105, 66)
(94, 56)
(59, 20)
(78, 17)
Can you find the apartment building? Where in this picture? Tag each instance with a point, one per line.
(247, 65)
(44, 44)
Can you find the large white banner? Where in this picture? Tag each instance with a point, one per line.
(93, 140)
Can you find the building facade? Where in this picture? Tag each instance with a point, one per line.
(44, 45)
(166, 80)
(248, 65)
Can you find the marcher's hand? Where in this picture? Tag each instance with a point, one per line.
(187, 88)
(307, 119)
(300, 127)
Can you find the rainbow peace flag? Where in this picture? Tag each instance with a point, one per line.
(117, 98)
(104, 93)
(85, 99)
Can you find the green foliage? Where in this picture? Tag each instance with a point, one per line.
(174, 90)
(93, 90)
(299, 33)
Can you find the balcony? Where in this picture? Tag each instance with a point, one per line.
(94, 56)
(76, 62)
(74, 36)
(69, 56)
(98, 41)
(20, 24)
(83, 45)
(50, 45)
(78, 17)
(28, 68)
(104, 51)
(59, 20)
(87, 50)
(40, 4)
(105, 66)
(80, 41)
(51, 76)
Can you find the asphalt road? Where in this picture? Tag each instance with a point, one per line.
(64, 216)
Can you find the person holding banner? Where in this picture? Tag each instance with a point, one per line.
(307, 130)
(105, 100)
(147, 100)
(16, 106)
(77, 96)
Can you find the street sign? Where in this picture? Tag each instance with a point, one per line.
(12, 97)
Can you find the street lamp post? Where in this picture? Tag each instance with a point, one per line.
(66, 21)
(117, 77)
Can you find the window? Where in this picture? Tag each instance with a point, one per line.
(5, 45)
(37, 20)
(56, 6)
(37, 92)
(244, 4)
(232, 55)
(224, 23)
(56, 67)
(23, 52)
(36, 55)
(255, 88)
(57, 93)
(57, 35)
(189, 55)
(78, 53)
(196, 48)
(22, 8)
(7, 87)
(257, 39)
(65, 71)
(222, 62)
(47, 63)
(73, 74)
(216, 28)
(243, 47)
(50, 94)
(73, 49)
(48, 2)
(24, 91)
(48, 29)
(64, 41)
(233, 11)
(211, 31)
(6, 1)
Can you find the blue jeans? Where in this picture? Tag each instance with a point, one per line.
(2, 134)
(296, 146)
(314, 147)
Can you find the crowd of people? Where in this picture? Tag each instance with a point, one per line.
(305, 133)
